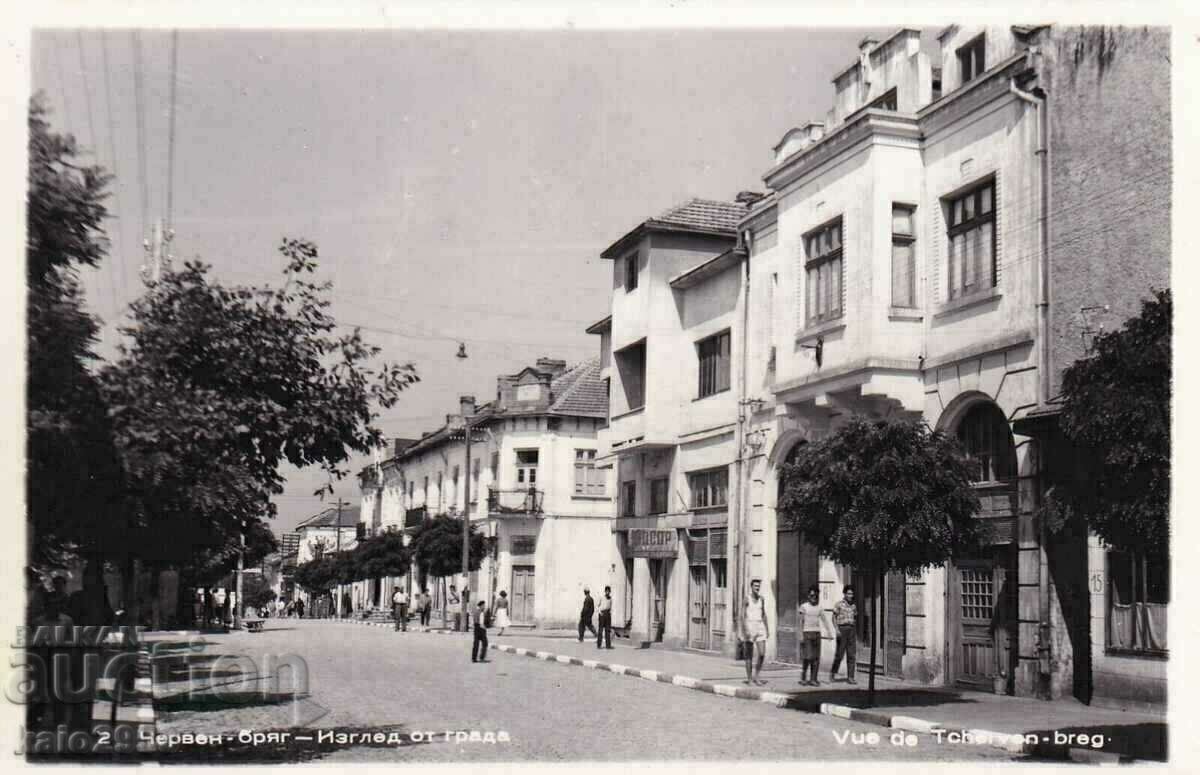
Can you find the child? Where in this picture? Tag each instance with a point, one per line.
(810, 628)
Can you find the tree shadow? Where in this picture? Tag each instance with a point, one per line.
(1146, 740)
(208, 701)
(811, 700)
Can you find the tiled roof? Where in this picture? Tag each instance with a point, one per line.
(703, 214)
(580, 391)
(328, 517)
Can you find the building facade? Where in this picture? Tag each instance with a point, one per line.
(899, 269)
(536, 492)
(329, 531)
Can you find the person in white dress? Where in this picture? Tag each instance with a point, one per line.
(502, 620)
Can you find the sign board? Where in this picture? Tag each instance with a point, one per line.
(644, 542)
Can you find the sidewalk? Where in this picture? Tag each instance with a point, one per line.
(1018, 724)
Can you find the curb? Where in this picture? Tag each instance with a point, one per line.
(390, 625)
(113, 710)
(1011, 743)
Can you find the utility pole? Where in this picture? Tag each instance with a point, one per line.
(238, 604)
(337, 604)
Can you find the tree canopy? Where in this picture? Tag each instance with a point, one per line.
(1116, 404)
(437, 546)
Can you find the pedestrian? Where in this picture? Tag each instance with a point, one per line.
(299, 609)
(585, 614)
(502, 612)
(400, 609)
(426, 607)
(605, 632)
(844, 615)
(754, 633)
(811, 626)
(479, 645)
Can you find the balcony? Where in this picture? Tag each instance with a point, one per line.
(414, 517)
(522, 501)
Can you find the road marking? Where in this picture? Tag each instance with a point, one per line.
(727, 691)
(683, 680)
(593, 664)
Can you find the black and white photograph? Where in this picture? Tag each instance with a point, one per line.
(572, 389)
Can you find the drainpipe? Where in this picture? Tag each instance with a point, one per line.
(739, 440)
(1042, 106)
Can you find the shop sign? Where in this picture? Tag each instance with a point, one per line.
(644, 542)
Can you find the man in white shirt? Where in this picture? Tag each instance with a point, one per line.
(400, 609)
(605, 631)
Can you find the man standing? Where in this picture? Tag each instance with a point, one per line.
(755, 633)
(812, 625)
(585, 615)
(426, 605)
(605, 632)
(479, 645)
(844, 615)
(400, 609)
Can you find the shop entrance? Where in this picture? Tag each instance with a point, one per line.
(658, 598)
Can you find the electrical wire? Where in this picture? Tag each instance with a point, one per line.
(87, 93)
(112, 144)
(141, 130)
(171, 134)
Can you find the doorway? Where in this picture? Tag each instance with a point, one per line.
(888, 614)
(658, 599)
(522, 594)
(982, 626)
(698, 604)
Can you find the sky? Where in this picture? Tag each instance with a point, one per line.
(460, 185)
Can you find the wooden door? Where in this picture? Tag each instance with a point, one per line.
(869, 609)
(982, 620)
(521, 607)
(658, 599)
(787, 596)
(698, 606)
(893, 626)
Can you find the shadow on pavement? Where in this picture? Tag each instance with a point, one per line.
(208, 701)
(1132, 741)
(884, 698)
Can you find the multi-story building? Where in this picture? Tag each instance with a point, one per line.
(900, 268)
(669, 348)
(331, 530)
(536, 492)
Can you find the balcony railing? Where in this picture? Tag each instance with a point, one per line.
(523, 501)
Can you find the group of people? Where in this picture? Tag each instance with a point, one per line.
(422, 606)
(812, 621)
(604, 634)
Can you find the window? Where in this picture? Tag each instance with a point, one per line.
(475, 480)
(1139, 591)
(659, 496)
(885, 102)
(714, 364)
(709, 488)
(972, 236)
(823, 272)
(631, 365)
(970, 60)
(985, 435)
(628, 499)
(527, 465)
(522, 545)
(411, 487)
(589, 480)
(441, 488)
(904, 264)
(631, 271)
(719, 573)
(495, 469)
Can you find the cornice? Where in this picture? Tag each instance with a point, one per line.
(872, 122)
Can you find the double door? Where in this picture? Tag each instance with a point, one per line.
(521, 607)
(885, 609)
(982, 626)
(698, 599)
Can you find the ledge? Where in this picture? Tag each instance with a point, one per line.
(820, 329)
(966, 302)
(591, 497)
(630, 413)
(1017, 339)
(907, 314)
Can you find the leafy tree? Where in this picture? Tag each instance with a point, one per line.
(317, 576)
(256, 591)
(382, 555)
(883, 497)
(73, 479)
(219, 385)
(1116, 405)
(436, 547)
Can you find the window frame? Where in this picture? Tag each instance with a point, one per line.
(972, 59)
(1139, 594)
(708, 488)
(527, 480)
(908, 241)
(955, 275)
(996, 419)
(631, 271)
(815, 289)
(665, 506)
(712, 367)
(589, 480)
(629, 498)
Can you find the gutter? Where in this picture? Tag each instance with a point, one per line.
(1041, 104)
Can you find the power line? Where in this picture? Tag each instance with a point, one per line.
(112, 144)
(171, 132)
(87, 93)
(141, 128)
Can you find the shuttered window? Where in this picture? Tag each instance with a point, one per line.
(713, 354)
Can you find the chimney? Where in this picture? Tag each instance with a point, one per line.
(466, 406)
(552, 365)
(748, 198)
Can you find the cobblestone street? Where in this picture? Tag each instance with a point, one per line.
(368, 679)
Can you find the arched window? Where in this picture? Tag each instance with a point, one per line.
(985, 434)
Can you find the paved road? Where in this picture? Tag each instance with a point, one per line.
(371, 679)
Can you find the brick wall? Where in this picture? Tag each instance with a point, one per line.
(1110, 225)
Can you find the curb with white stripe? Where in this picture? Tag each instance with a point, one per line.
(1015, 744)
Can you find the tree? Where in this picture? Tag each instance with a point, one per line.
(256, 591)
(73, 479)
(436, 548)
(1116, 406)
(318, 575)
(219, 385)
(883, 497)
(382, 555)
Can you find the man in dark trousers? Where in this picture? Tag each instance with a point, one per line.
(605, 620)
(585, 615)
(479, 646)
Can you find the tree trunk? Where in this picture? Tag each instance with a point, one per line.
(155, 604)
(877, 582)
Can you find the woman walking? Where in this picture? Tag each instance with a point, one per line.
(502, 612)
